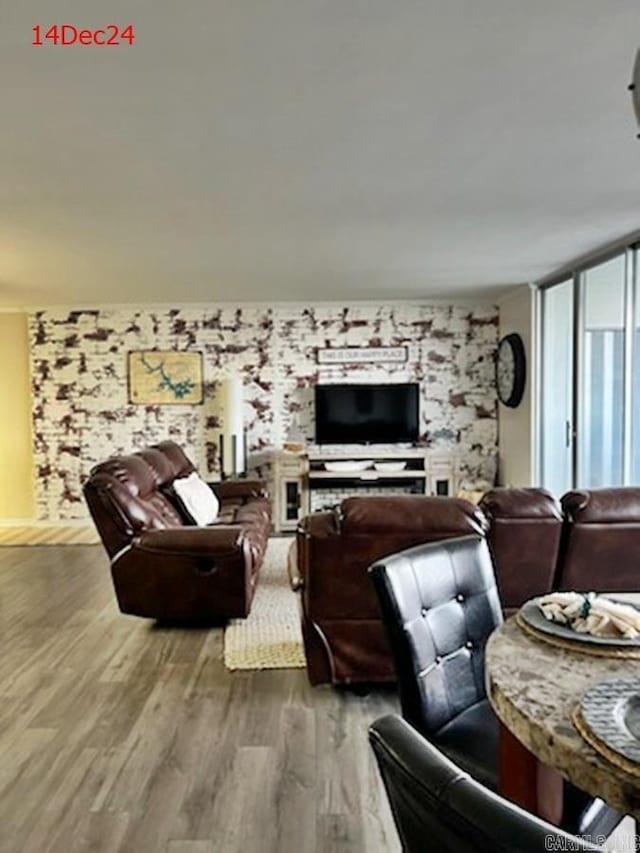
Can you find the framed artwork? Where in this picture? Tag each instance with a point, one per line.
(162, 377)
(362, 355)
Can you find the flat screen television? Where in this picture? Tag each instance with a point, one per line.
(366, 414)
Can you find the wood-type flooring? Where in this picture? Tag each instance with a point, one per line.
(117, 735)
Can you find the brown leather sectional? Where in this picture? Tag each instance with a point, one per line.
(162, 567)
(590, 540)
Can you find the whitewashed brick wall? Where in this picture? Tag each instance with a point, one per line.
(79, 361)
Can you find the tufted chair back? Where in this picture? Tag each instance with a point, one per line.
(439, 603)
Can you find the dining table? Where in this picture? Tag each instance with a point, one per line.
(535, 687)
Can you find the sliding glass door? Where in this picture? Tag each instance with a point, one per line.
(635, 381)
(589, 424)
(602, 375)
(557, 387)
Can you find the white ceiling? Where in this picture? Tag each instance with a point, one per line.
(312, 149)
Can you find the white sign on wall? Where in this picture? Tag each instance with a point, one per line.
(362, 355)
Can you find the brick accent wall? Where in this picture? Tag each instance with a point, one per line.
(79, 362)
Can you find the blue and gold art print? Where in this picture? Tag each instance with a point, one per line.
(165, 377)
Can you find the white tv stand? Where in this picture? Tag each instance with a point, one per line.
(413, 459)
(299, 482)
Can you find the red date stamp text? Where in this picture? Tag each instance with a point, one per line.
(66, 35)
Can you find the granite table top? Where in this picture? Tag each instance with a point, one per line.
(534, 687)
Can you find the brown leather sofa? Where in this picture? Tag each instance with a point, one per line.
(587, 541)
(344, 637)
(162, 567)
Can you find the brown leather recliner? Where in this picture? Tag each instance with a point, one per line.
(344, 637)
(525, 527)
(601, 540)
(162, 567)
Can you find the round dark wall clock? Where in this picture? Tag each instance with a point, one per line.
(511, 370)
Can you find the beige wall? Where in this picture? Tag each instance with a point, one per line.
(515, 426)
(16, 449)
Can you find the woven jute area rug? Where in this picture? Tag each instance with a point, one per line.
(270, 638)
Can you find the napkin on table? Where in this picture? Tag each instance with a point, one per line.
(588, 613)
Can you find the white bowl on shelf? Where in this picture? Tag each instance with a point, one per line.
(346, 465)
(389, 467)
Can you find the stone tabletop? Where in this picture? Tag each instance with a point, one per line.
(534, 687)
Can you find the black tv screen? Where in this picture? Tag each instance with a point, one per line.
(366, 414)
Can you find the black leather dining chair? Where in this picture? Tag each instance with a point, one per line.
(437, 806)
(440, 603)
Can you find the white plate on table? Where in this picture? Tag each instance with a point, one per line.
(533, 615)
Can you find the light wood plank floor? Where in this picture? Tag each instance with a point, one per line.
(116, 735)
(48, 534)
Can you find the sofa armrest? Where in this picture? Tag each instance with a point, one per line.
(316, 526)
(230, 489)
(220, 541)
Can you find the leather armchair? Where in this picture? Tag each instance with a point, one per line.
(162, 567)
(440, 603)
(344, 637)
(437, 806)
